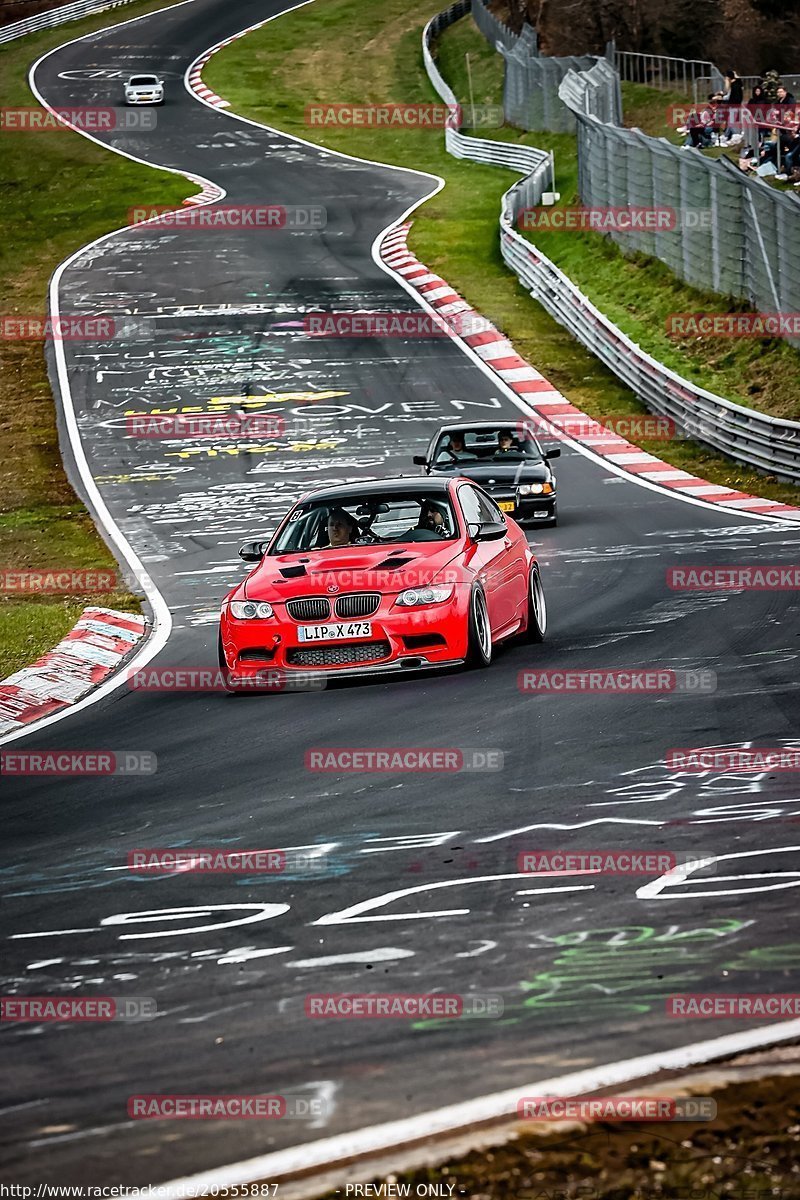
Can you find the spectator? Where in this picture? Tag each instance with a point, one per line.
(733, 98)
(701, 126)
(783, 96)
(734, 88)
(768, 154)
(790, 149)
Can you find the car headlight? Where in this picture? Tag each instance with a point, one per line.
(535, 489)
(413, 597)
(250, 610)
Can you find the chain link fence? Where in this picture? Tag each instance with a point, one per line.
(536, 165)
(595, 92)
(768, 444)
(728, 232)
(495, 32)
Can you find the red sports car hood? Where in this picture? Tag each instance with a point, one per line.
(351, 569)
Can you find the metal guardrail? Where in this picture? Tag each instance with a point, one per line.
(768, 444)
(56, 16)
(536, 165)
(664, 72)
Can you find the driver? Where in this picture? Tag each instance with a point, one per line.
(455, 448)
(341, 527)
(430, 517)
(505, 441)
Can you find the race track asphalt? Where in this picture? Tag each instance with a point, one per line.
(583, 976)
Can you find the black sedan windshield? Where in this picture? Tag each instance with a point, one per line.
(459, 448)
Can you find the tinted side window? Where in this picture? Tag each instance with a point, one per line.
(489, 510)
(470, 506)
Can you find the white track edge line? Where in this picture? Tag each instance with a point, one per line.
(454, 1118)
(162, 628)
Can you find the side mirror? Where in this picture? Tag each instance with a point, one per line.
(419, 460)
(553, 452)
(491, 531)
(252, 551)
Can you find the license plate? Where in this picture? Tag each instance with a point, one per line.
(505, 505)
(333, 633)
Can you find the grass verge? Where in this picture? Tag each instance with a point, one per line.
(339, 51)
(59, 191)
(748, 1152)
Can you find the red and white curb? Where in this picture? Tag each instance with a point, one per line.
(99, 643)
(209, 192)
(538, 393)
(194, 78)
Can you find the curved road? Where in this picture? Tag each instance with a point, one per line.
(583, 965)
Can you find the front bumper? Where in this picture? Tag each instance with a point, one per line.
(414, 639)
(150, 98)
(527, 508)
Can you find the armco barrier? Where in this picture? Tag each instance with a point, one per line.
(56, 16)
(536, 165)
(768, 444)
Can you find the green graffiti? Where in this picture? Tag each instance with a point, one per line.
(629, 969)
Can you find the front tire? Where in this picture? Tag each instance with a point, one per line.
(537, 608)
(479, 643)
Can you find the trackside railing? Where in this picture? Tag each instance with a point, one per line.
(536, 165)
(768, 444)
(56, 16)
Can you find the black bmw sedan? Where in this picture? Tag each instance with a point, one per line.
(506, 460)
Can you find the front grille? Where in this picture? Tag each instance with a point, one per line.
(358, 604)
(332, 656)
(313, 608)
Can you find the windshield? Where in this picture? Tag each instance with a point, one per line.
(464, 447)
(366, 520)
(142, 80)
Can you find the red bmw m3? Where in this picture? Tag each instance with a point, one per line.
(382, 576)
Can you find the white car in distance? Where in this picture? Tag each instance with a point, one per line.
(144, 89)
